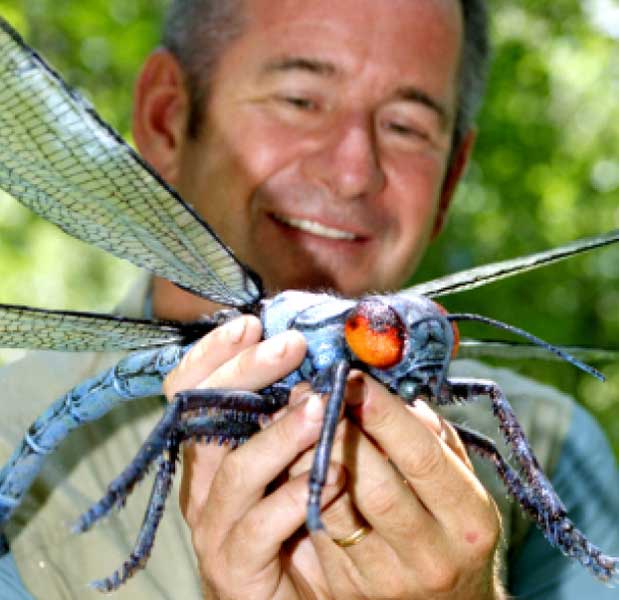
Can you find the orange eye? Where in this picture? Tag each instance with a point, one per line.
(375, 334)
(454, 328)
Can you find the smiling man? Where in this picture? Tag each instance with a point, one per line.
(323, 141)
(326, 157)
(324, 149)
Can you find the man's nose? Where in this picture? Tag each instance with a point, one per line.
(347, 161)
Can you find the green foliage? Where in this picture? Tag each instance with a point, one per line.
(545, 171)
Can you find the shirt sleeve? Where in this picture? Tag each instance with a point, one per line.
(587, 480)
(11, 585)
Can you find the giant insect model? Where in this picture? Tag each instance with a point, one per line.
(62, 161)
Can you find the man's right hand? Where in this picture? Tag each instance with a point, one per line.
(238, 529)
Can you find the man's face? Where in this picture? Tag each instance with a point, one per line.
(326, 139)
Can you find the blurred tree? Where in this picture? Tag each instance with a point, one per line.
(545, 171)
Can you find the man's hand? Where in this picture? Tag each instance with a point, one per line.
(433, 527)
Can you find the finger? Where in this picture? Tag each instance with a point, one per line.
(389, 505)
(452, 439)
(213, 350)
(377, 487)
(257, 538)
(241, 363)
(245, 473)
(340, 517)
(442, 428)
(260, 365)
(299, 393)
(341, 573)
(443, 483)
(200, 463)
(375, 497)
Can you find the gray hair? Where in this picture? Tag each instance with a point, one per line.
(473, 66)
(198, 31)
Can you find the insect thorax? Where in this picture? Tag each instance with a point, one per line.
(403, 341)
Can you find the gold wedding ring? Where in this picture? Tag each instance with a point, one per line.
(354, 538)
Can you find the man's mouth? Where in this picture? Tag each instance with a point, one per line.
(315, 228)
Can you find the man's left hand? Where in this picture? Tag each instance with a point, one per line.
(433, 526)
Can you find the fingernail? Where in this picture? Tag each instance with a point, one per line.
(298, 399)
(274, 347)
(355, 390)
(235, 329)
(314, 409)
(333, 474)
(267, 420)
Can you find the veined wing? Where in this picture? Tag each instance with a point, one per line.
(33, 328)
(62, 161)
(517, 350)
(472, 278)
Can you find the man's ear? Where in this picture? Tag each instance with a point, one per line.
(456, 170)
(160, 113)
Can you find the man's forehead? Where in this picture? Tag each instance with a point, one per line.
(266, 13)
(411, 39)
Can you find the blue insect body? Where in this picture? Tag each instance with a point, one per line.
(322, 320)
(62, 161)
(320, 317)
(420, 337)
(138, 375)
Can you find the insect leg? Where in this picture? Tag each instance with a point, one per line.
(146, 538)
(233, 419)
(136, 376)
(320, 466)
(230, 425)
(559, 530)
(469, 389)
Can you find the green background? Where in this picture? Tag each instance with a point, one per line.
(545, 171)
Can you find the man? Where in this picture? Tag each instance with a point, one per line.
(324, 146)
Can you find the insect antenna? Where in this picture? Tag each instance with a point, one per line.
(532, 338)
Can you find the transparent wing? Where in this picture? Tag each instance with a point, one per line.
(32, 328)
(62, 161)
(472, 278)
(516, 350)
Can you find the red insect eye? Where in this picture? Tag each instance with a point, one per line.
(375, 334)
(455, 330)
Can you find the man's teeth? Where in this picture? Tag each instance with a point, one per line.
(316, 228)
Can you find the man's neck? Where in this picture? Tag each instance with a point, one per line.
(171, 302)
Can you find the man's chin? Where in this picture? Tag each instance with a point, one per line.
(350, 287)
(308, 284)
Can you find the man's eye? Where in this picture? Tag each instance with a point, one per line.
(299, 102)
(407, 131)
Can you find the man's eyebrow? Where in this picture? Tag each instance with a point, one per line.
(299, 63)
(418, 96)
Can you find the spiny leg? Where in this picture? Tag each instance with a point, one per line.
(558, 529)
(146, 538)
(235, 414)
(122, 486)
(318, 474)
(469, 389)
(232, 426)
